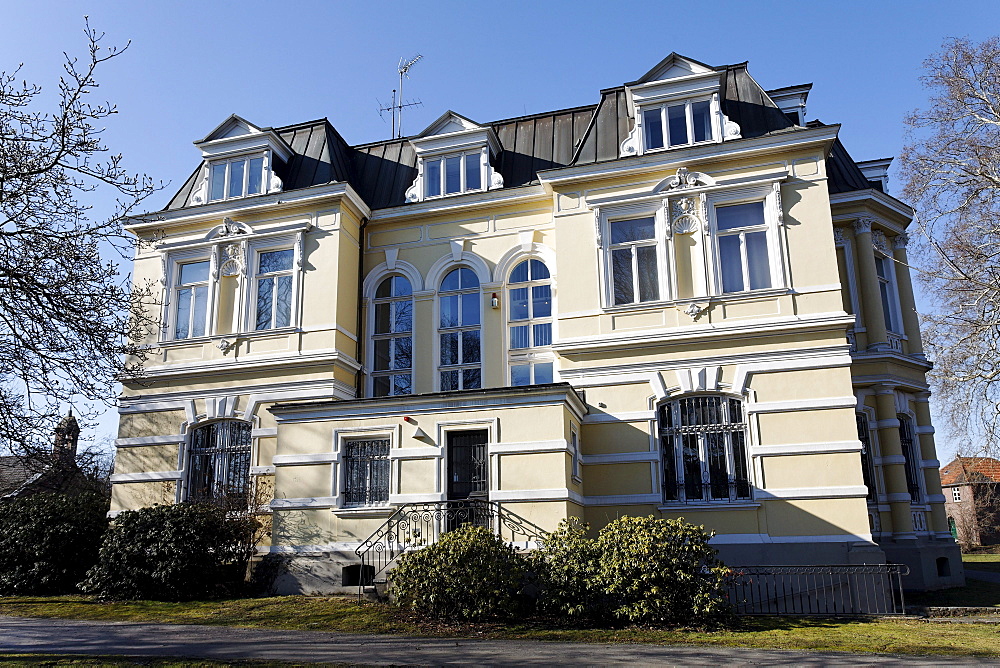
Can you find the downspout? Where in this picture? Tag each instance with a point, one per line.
(359, 348)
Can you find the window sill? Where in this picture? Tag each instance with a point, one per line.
(711, 300)
(364, 511)
(232, 336)
(720, 505)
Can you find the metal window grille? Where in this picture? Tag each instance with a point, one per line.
(912, 464)
(219, 464)
(703, 440)
(366, 472)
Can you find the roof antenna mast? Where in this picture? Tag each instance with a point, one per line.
(398, 104)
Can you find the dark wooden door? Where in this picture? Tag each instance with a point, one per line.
(468, 477)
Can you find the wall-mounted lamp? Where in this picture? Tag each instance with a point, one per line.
(409, 419)
(495, 301)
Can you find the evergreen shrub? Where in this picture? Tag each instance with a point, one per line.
(470, 573)
(48, 541)
(173, 553)
(568, 563)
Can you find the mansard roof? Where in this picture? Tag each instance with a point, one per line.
(382, 171)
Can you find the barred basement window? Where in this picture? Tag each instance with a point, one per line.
(703, 441)
(366, 472)
(219, 464)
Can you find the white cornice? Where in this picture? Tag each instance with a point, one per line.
(661, 160)
(225, 367)
(152, 221)
(468, 201)
(674, 335)
(872, 195)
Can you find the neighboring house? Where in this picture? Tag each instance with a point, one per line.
(972, 499)
(681, 301)
(56, 472)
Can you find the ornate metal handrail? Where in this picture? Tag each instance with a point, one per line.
(416, 525)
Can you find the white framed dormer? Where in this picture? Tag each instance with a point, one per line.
(676, 104)
(233, 282)
(454, 156)
(792, 102)
(239, 161)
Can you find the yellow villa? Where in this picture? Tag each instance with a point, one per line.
(684, 300)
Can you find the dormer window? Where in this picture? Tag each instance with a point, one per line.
(452, 174)
(688, 122)
(237, 178)
(453, 157)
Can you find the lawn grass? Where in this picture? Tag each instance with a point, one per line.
(982, 562)
(903, 636)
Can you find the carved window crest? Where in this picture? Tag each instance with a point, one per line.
(685, 215)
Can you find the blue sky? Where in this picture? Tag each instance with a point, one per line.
(191, 64)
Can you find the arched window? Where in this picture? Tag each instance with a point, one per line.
(219, 464)
(530, 323)
(459, 300)
(911, 457)
(703, 441)
(867, 463)
(392, 360)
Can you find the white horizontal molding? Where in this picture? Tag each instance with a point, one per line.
(625, 416)
(429, 452)
(888, 460)
(898, 497)
(744, 538)
(556, 494)
(366, 512)
(708, 507)
(261, 470)
(621, 458)
(139, 441)
(926, 429)
(623, 499)
(805, 448)
(307, 502)
(147, 476)
(137, 405)
(430, 497)
(790, 493)
(300, 549)
(304, 460)
(265, 433)
(795, 405)
(930, 464)
(528, 447)
(935, 498)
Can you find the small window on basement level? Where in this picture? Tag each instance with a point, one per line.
(238, 177)
(452, 174)
(680, 124)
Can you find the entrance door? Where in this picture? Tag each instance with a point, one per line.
(468, 478)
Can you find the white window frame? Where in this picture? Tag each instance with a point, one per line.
(715, 134)
(174, 272)
(374, 336)
(439, 330)
(248, 316)
(257, 278)
(442, 158)
(775, 257)
(228, 162)
(575, 453)
(894, 314)
(531, 355)
(664, 260)
(956, 494)
(338, 469)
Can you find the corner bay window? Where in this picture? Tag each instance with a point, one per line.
(886, 273)
(392, 338)
(742, 238)
(366, 472)
(679, 124)
(633, 260)
(274, 289)
(459, 300)
(452, 174)
(530, 323)
(191, 299)
(704, 450)
(236, 178)
(219, 464)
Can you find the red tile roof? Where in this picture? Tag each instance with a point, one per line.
(966, 469)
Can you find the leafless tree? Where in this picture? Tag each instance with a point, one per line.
(68, 318)
(951, 173)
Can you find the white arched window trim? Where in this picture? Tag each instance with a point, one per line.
(507, 264)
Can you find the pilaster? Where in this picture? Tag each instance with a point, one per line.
(907, 304)
(871, 301)
(893, 463)
(932, 476)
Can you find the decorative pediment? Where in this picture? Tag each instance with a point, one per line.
(238, 135)
(674, 66)
(448, 123)
(229, 229)
(684, 178)
(234, 126)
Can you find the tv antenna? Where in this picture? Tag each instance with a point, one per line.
(398, 104)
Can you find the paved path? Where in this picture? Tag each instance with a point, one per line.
(986, 576)
(57, 636)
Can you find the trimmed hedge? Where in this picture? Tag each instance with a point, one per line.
(48, 541)
(172, 553)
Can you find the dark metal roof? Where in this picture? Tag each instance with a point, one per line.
(843, 174)
(382, 171)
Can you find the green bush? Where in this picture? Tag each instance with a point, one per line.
(48, 541)
(470, 574)
(568, 563)
(172, 553)
(660, 571)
